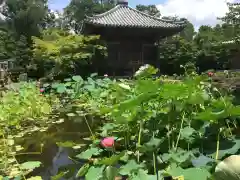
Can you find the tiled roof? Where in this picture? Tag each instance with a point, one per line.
(125, 16)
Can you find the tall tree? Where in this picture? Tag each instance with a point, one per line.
(150, 9)
(188, 32)
(232, 18)
(25, 17)
(78, 9)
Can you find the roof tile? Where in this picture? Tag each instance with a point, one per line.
(125, 16)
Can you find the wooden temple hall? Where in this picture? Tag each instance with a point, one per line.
(131, 37)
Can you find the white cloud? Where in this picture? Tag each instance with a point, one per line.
(199, 12)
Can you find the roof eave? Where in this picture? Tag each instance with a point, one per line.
(178, 26)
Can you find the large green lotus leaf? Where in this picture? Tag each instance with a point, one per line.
(61, 88)
(181, 156)
(95, 173)
(130, 167)
(143, 175)
(228, 169)
(110, 173)
(234, 111)
(153, 144)
(187, 133)
(89, 153)
(30, 165)
(77, 78)
(210, 115)
(190, 173)
(113, 160)
(83, 170)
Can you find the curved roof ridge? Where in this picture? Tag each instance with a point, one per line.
(140, 12)
(125, 16)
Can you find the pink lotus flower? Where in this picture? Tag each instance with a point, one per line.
(210, 74)
(105, 75)
(42, 90)
(108, 142)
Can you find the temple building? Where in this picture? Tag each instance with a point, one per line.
(131, 37)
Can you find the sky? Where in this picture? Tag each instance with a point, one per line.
(198, 12)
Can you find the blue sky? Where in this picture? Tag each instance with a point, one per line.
(198, 12)
(60, 4)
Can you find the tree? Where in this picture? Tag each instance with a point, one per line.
(232, 18)
(7, 45)
(205, 37)
(150, 9)
(60, 52)
(76, 11)
(25, 17)
(188, 32)
(176, 53)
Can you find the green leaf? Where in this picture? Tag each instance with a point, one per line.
(59, 175)
(228, 168)
(61, 89)
(112, 160)
(67, 79)
(130, 167)
(110, 173)
(55, 85)
(10, 142)
(35, 178)
(66, 144)
(95, 173)
(187, 133)
(153, 144)
(71, 114)
(30, 165)
(77, 78)
(141, 175)
(88, 153)
(190, 173)
(181, 156)
(83, 170)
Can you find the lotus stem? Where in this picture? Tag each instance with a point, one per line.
(154, 163)
(89, 128)
(139, 139)
(218, 144)
(179, 134)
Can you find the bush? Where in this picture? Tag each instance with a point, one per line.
(61, 53)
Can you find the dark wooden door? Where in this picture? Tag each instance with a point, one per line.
(149, 54)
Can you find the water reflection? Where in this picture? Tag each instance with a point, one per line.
(57, 141)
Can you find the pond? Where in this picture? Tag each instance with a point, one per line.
(57, 150)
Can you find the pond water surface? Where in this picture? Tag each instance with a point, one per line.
(57, 152)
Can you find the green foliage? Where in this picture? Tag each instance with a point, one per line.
(7, 45)
(76, 10)
(18, 11)
(58, 51)
(14, 104)
(151, 10)
(30, 165)
(24, 110)
(160, 127)
(175, 53)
